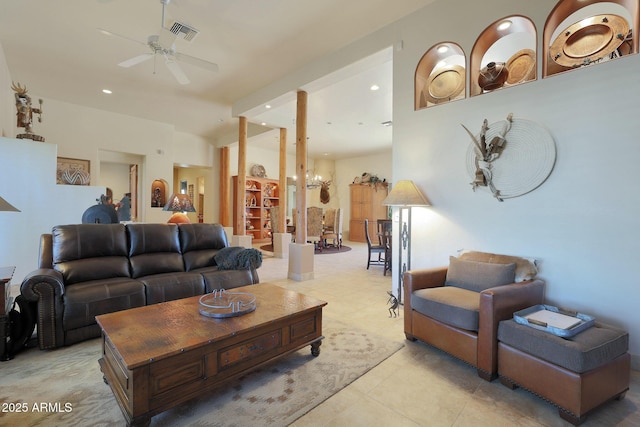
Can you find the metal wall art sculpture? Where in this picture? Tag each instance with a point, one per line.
(511, 157)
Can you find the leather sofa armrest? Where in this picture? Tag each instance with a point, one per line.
(419, 279)
(45, 286)
(44, 277)
(45, 254)
(498, 304)
(424, 278)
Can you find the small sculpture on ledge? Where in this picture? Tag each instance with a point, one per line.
(25, 113)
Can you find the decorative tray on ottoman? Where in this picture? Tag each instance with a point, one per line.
(221, 303)
(558, 321)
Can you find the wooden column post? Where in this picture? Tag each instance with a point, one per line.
(282, 225)
(301, 253)
(239, 226)
(301, 168)
(225, 183)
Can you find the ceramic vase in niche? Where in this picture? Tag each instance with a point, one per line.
(493, 76)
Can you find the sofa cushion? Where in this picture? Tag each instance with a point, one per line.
(84, 301)
(86, 252)
(584, 351)
(451, 305)
(171, 286)
(525, 267)
(154, 249)
(199, 244)
(227, 279)
(478, 276)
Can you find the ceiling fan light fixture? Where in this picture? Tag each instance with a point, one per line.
(163, 44)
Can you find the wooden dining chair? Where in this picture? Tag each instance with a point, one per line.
(333, 229)
(314, 226)
(376, 252)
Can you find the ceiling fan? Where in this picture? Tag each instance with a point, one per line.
(162, 44)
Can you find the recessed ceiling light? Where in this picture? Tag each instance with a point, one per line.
(263, 123)
(107, 91)
(374, 87)
(504, 25)
(442, 49)
(441, 64)
(267, 106)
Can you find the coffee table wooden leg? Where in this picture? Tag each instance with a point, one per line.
(140, 422)
(315, 348)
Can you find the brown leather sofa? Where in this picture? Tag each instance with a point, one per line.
(458, 308)
(85, 270)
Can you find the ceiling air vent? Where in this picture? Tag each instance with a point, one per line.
(183, 31)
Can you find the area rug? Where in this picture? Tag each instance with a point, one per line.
(64, 387)
(325, 251)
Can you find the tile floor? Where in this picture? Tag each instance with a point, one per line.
(418, 385)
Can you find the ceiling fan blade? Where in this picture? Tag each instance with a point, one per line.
(136, 60)
(109, 33)
(176, 70)
(197, 62)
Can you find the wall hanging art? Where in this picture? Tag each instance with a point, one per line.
(511, 157)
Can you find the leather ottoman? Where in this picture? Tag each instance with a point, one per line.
(576, 374)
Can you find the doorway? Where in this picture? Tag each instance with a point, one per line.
(120, 172)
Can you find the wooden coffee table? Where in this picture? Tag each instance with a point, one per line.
(161, 355)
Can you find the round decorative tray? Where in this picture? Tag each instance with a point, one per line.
(589, 40)
(221, 303)
(445, 84)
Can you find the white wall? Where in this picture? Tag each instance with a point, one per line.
(30, 185)
(88, 133)
(7, 100)
(116, 177)
(582, 223)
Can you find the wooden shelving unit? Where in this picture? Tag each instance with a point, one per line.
(260, 195)
(366, 203)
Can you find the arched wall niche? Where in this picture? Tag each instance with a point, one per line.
(440, 75)
(515, 43)
(159, 193)
(568, 12)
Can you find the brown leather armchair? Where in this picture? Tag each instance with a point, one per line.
(457, 308)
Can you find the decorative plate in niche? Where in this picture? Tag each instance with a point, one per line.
(589, 40)
(521, 66)
(445, 84)
(259, 171)
(526, 161)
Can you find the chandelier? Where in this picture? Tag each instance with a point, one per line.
(312, 182)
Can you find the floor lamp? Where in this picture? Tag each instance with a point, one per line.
(405, 195)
